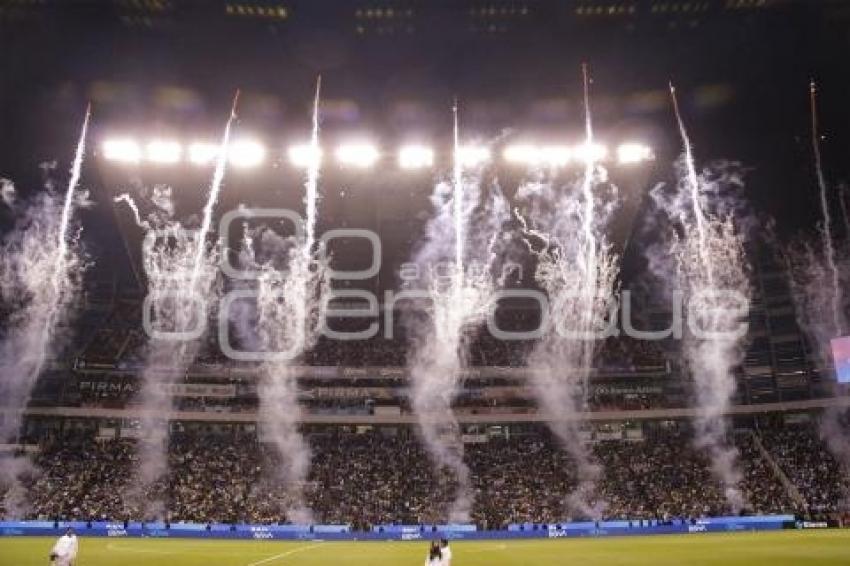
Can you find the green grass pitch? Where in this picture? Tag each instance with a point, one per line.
(822, 548)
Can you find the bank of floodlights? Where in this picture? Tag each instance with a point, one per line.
(249, 153)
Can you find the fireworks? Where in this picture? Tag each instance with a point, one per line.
(40, 273)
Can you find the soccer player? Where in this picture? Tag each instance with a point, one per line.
(435, 557)
(64, 552)
(446, 552)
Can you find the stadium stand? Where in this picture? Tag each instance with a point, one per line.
(376, 478)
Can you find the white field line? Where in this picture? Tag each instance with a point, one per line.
(196, 549)
(495, 548)
(119, 548)
(284, 554)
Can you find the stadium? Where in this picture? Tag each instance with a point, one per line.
(472, 282)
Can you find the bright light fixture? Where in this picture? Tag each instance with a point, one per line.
(472, 155)
(556, 155)
(361, 155)
(552, 155)
(163, 151)
(305, 155)
(524, 154)
(590, 152)
(203, 153)
(124, 150)
(415, 157)
(630, 153)
(246, 153)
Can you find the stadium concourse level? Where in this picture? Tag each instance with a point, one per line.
(384, 476)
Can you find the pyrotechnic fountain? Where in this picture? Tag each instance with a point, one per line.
(41, 268)
(816, 278)
(286, 319)
(711, 271)
(181, 276)
(456, 288)
(563, 227)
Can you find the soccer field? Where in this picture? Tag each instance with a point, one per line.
(823, 548)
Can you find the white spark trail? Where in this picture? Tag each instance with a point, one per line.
(712, 270)
(815, 275)
(693, 185)
(288, 307)
(212, 199)
(41, 270)
(134, 208)
(457, 186)
(828, 243)
(461, 237)
(181, 273)
(587, 182)
(311, 193)
(564, 228)
(59, 271)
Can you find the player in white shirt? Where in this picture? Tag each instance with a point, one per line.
(446, 552)
(64, 552)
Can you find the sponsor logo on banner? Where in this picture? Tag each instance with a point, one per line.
(813, 525)
(261, 533)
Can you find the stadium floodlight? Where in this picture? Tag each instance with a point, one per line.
(124, 150)
(363, 155)
(531, 155)
(203, 153)
(305, 156)
(522, 154)
(592, 153)
(556, 155)
(472, 155)
(163, 151)
(631, 153)
(246, 153)
(415, 157)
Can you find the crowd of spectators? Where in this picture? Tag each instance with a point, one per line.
(808, 464)
(519, 480)
(763, 488)
(371, 479)
(78, 477)
(625, 354)
(377, 478)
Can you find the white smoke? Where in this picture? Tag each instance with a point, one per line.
(578, 271)
(456, 262)
(564, 225)
(181, 268)
(810, 277)
(41, 270)
(283, 324)
(7, 192)
(705, 247)
(712, 361)
(817, 275)
(174, 306)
